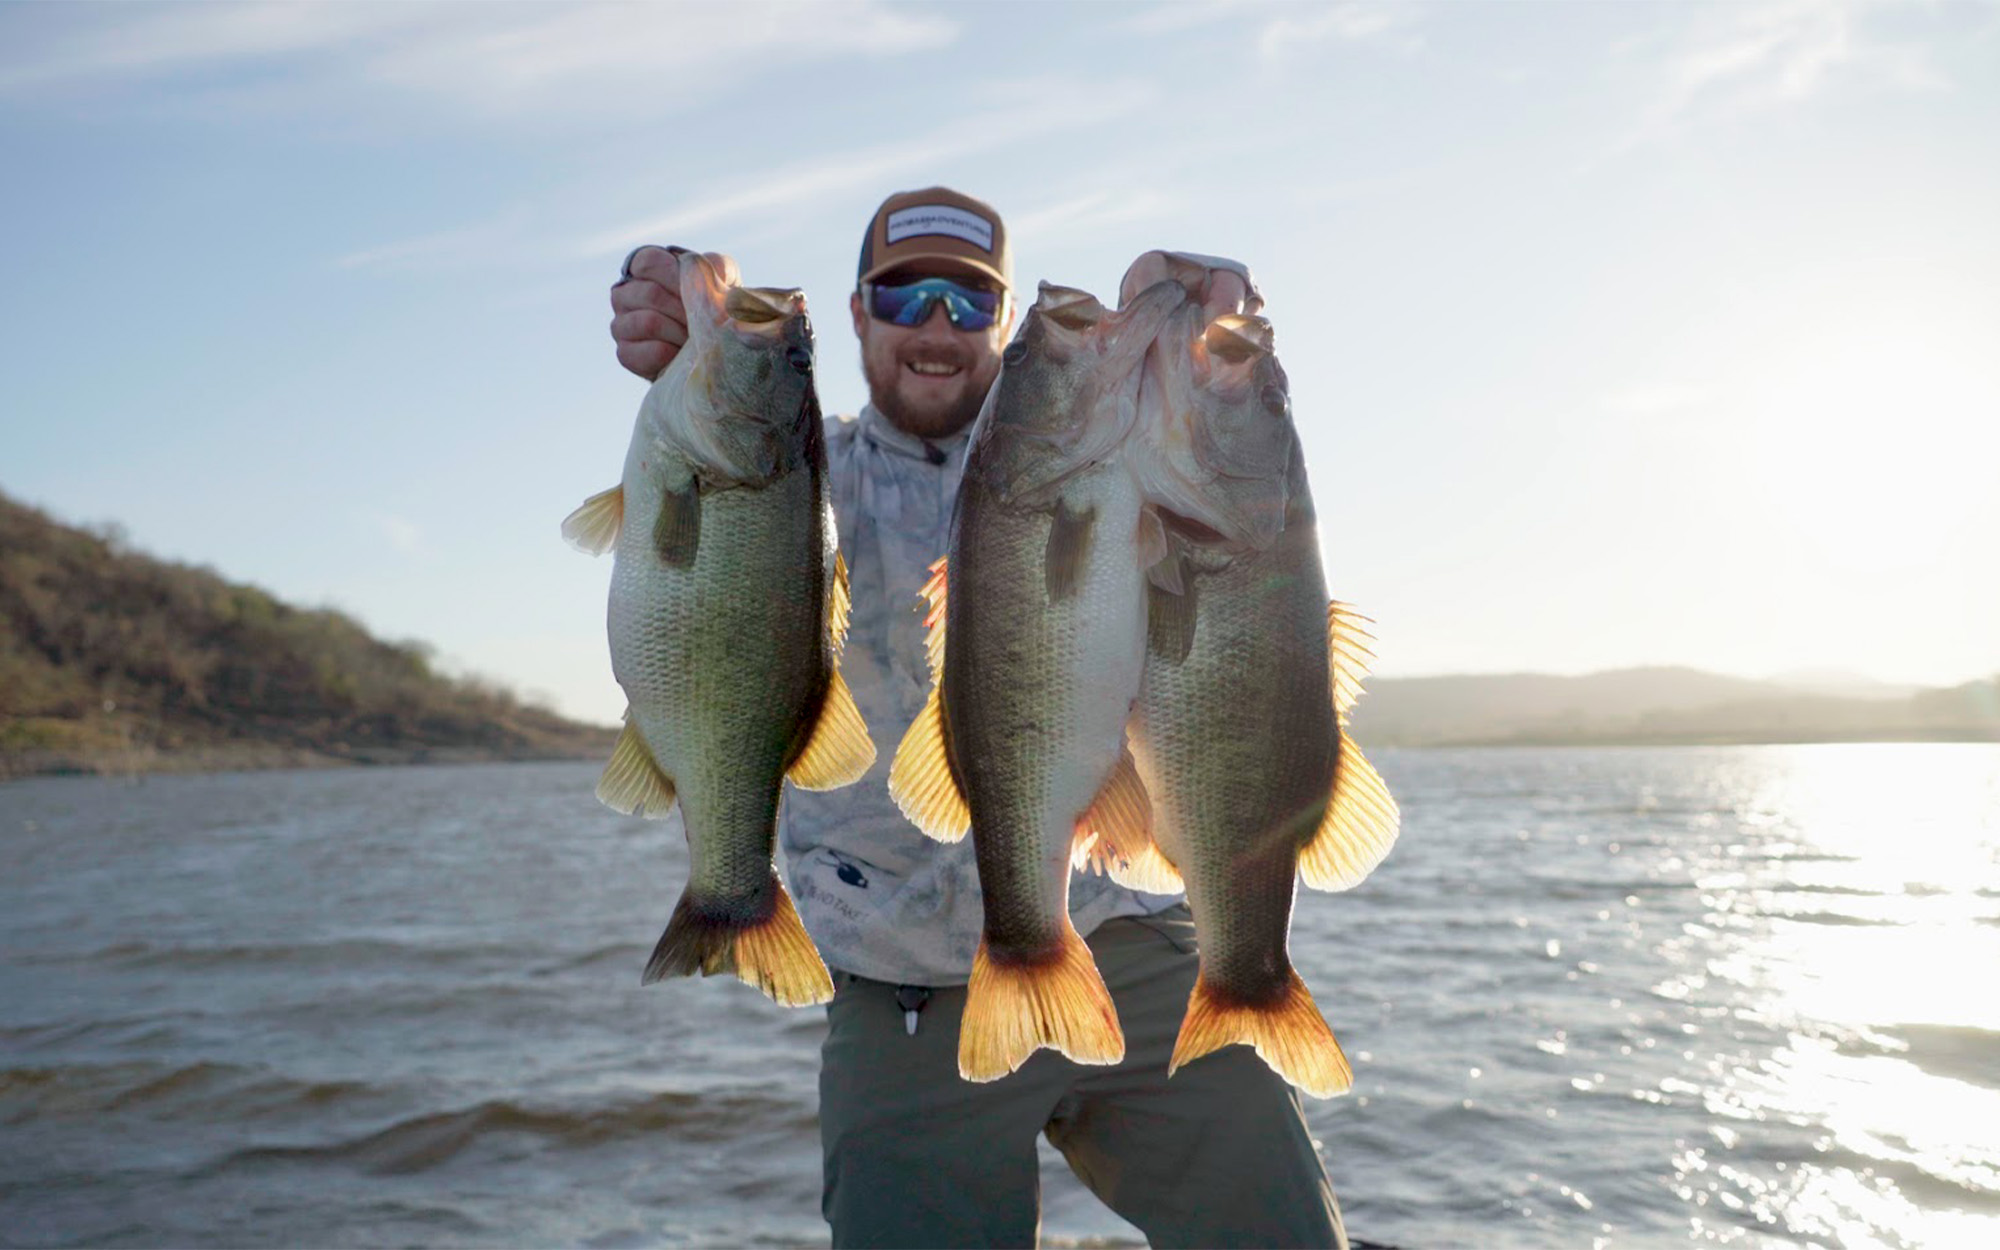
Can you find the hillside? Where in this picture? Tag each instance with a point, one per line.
(114, 661)
(1661, 706)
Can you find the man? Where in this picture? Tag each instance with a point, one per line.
(916, 1156)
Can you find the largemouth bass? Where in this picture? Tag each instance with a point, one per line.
(1238, 733)
(1038, 638)
(728, 610)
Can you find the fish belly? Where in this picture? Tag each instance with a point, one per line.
(1037, 690)
(722, 661)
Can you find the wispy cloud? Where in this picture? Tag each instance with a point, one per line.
(1739, 58)
(1092, 211)
(1183, 15)
(583, 59)
(1303, 29)
(785, 188)
(446, 247)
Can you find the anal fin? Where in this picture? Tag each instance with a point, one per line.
(1290, 1035)
(1013, 1009)
(1115, 834)
(839, 750)
(632, 781)
(772, 952)
(1358, 829)
(593, 527)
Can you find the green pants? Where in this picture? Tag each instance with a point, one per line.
(915, 1156)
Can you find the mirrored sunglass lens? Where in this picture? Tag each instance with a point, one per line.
(910, 305)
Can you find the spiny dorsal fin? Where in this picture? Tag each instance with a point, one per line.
(839, 750)
(1068, 550)
(593, 527)
(920, 776)
(1115, 834)
(1347, 655)
(839, 604)
(935, 593)
(1290, 1035)
(1359, 827)
(632, 782)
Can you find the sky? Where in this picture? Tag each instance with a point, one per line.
(1618, 334)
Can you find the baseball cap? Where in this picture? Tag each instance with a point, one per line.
(940, 227)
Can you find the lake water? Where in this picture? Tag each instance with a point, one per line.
(1637, 997)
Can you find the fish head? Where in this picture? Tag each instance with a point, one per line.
(747, 394)
(1068, 390)
(1219, 447)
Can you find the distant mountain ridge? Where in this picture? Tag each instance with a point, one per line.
(115, 661)
(1660, 706)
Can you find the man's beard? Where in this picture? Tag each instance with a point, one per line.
(925, 422)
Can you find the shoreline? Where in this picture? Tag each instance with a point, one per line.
(269, 757)
(137, 762)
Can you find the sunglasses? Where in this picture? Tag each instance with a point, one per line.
(910, 303)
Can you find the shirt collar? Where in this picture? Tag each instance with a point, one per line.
(886, 436)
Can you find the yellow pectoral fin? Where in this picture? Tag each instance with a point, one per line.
(632, 782)
(839, 751)
(921, 780)
(1359, 827)
(1347, 654)
(593, 527)
(1115, 835)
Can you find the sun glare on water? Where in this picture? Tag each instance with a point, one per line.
(1873, 927)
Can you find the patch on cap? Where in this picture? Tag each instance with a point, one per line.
(945, 219)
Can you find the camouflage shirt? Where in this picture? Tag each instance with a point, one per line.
(881, 899)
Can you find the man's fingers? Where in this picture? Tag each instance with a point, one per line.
(648, 360)
(652, 264)
(648, 325)
(640, 295)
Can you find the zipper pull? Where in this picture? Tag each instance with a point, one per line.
(911, 998)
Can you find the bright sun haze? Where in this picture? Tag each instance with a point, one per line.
(1618, 335)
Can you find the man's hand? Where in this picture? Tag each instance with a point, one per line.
(1222, 285)
(648, 321)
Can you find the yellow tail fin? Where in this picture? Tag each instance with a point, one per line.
(774, 954)
(1359, 828)
(1290, 1035)
(1014, 1009)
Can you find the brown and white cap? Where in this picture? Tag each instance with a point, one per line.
(940, 228)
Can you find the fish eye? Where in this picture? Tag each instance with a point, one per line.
(1276, 402)
(1016, 352)
(801, 359)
